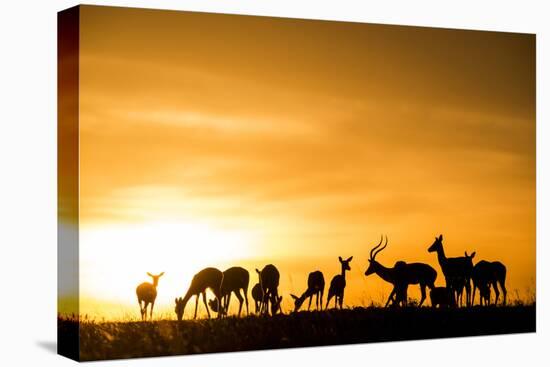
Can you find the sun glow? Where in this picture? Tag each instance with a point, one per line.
(115, 260)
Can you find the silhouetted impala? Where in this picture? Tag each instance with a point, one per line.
(457, 270)
(269, 281)
(401, 275)
(338, 284)
(203, 280)
(147, 293)
(234, 279)
(484, 275)
(257, 293)
(315, 286)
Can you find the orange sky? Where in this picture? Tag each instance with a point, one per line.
(218, 140)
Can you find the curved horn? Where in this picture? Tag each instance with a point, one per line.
(375, 247)
(380, 249)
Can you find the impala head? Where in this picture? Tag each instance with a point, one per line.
(276, 304)
(155, 278)
(298, 301)
(345, 263)
(180, 307)
(471, 256)
(213, 303)
(373, 264)
(437, 245)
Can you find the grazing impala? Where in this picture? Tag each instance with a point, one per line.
(401, 275)
(146, 294)
(234, 280)
(315, 287)
(338, 284)
(269, 281)
(208, 278)
(457, 270)
(484, 275)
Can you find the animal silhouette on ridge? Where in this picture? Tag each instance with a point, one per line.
(315, 287)
(401, 276)
(234, 280)
(338, 284)
(257, 294)
(147, 294)
(208, 278)
(486, 274)
(269, 282)
(457, 271)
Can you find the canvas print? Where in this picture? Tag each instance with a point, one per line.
(234, 183)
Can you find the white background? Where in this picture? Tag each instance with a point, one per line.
(28, 181)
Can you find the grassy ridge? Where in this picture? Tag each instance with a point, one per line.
(112, 340)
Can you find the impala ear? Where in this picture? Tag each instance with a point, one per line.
(441, 237)
(348, 260)
(472, 255)
(293, 296)
(161, 274)
(176, 300)
(340, 258)
(257, 271)
(149, 274)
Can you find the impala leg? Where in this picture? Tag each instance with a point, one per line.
(245, 291)
(263, 306)
(228, 300)
(206, 304)
(328, 300)
(497, 292)
(309, 305)
(423, 292)
(468, 291)
(196, 305)
(321, 302)
(140, 309)
(240, 298)
(390, 298)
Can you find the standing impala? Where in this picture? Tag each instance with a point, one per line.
(315, 287)
(457, 270)
(338, 284)
(146, 294)
(401, 275)
(203, 280)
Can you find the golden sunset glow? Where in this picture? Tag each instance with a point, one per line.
(217, 140)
